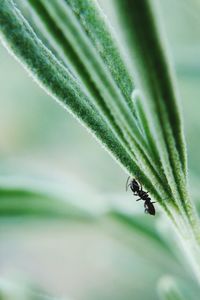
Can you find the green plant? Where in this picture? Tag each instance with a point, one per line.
(71, 51)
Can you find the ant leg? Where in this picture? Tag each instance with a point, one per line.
(127, 183)
(139, 199)
(153, 202)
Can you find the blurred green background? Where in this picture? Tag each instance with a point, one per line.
(39, 140)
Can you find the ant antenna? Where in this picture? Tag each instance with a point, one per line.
(127, 183)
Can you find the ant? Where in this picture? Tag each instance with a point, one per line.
(137, 190)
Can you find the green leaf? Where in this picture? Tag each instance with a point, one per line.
(29, 198)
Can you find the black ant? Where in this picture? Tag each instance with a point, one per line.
(137, 190)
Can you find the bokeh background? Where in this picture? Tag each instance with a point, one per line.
(42, 143)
